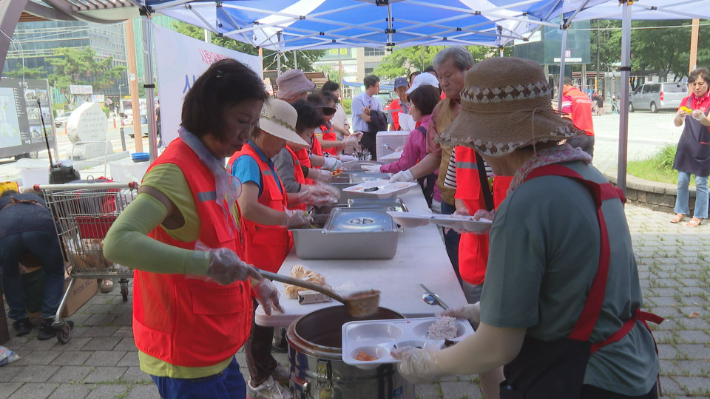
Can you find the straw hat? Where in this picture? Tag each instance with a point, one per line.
(505, 105)
(278, 118)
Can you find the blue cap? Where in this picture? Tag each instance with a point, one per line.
(401, 82)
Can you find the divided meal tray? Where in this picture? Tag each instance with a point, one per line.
(378, 337)
(380, 188)
(459, 222)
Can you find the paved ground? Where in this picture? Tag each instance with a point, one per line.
(101, 360)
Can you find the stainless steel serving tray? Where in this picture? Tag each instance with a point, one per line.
(395, 204)
(350, 234)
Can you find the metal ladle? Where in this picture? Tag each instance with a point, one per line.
(358, 304)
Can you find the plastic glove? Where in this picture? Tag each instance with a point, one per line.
(322, 175)
(404, 175)
(347, 158)
(371, 168)
(681, 114)
(332, 164)
(418, 366)
(483, 214)
(698, 115)
(330, 189)
(296, 218)
(268, 296)
(472, 313)
(225, 267)
(350, 142)
(318, 197)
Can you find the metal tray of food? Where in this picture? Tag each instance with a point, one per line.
(360, 177)
(382, 203)
(350, 234)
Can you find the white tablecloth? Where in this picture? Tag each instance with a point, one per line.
(421, 259)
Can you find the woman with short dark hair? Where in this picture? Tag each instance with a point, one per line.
(183, 237)
(693, 154)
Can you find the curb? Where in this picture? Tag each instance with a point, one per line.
(650, 194)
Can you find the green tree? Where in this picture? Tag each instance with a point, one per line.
(403, 61)
(28, 73)
(82, 66)
(305, 58)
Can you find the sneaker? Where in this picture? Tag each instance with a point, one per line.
(46, 331)
(279, 344)
(106, 286)
(269, 389)
(281, 374)
(22, 326)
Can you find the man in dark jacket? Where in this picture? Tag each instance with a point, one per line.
(27, 225)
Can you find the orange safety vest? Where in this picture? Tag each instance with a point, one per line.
(305, 159)
(297, 175)
(500, 189)
(473, 248)
(185, 321)
(581, 110)
(395, 110)
(265, 247)
(329, 135)
(316, 148)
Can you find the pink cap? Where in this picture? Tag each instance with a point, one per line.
(292, 83)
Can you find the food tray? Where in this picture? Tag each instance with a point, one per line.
(379, 337)
(395, 203)
(458, 222)
(382, 188)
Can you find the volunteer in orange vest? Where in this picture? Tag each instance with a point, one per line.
(565, 320)
(183, 236)
(264, 204)
(401, 104)
(325, 134)
(293, 173)
(578, 106)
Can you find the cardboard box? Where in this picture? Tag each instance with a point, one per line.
(82, 291)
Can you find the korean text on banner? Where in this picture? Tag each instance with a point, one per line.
(180, 60)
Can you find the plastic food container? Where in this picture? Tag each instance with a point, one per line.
(379, 189)
(377, 338)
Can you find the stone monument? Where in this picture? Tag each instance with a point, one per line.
(89, 123)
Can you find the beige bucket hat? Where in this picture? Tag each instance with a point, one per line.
(278, 118)
(505, 105)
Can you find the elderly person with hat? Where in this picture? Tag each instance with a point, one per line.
(401, 104)
(563, 318)
(266, 217)
(293, 85)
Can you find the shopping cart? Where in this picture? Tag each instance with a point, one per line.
(83, 214)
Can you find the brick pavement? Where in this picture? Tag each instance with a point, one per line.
(101, 360)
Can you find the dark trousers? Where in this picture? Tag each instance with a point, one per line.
(586, 143)
(46, 247)
(229, 384)
(592, 392)
(369, 142)
(451, 240)
(260, 362)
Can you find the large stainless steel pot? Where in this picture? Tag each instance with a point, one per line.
(317, 367)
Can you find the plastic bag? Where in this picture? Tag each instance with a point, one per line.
(303, 273)
(7, 356)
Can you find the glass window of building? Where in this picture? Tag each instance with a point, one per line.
(372, 51)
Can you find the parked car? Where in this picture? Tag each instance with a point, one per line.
(655, 96)
(144, 127)
(62, 119)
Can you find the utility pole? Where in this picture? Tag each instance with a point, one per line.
(694, 46)
(295, 59)
(133, 85)
(596, 76)
(208, 36)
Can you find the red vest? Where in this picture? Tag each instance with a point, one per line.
(329, 135)
(305, 159)
(500, 189)
(473, 248)
(265, 247)
(395, 110)
(581, 110)
(316, 148)
(188, 321)
(298, 175)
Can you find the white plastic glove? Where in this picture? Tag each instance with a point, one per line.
(322, 175)
(330, 189)
(405, 176)
(332, 164)
(225, 267)
(268, 296)
(318, 196)
(698, 115)
(347, 158)
(483, 214)
(371, 168)
(681, 114)
(296, 218)
(351, 142)
(472, 313)
(418, 366)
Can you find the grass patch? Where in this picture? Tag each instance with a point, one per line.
(658, 168)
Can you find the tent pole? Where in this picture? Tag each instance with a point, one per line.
(624, 95)
(562, 65)
(149, 85)
(278, 53)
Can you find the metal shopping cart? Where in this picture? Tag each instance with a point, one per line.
(83, 214)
